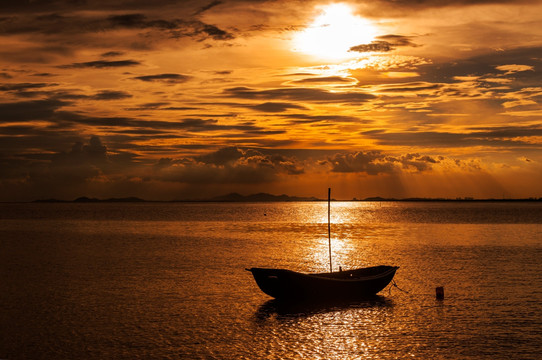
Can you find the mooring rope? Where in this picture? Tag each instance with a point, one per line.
(394, 284)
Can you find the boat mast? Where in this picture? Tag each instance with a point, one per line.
(329, 225)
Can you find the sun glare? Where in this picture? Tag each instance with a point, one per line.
(333, 33)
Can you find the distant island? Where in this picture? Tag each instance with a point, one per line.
(233, 197)
(84, 199)
(265, 197)
(260, 197)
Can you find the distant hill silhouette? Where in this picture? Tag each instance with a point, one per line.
(84, 199)
(233, 197)
(260, 197)
(265, 197)
(126, 199)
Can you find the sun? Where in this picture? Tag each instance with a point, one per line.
(333, 33)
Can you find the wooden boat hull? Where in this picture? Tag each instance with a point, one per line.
(358, 283)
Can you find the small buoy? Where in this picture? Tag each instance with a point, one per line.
(440, 293)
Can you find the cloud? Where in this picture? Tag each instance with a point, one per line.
(207, 7)
(222, 156)
(187, 108)
(269, 106)
(326, 80)
(22, 90)
(112, 54)
(23, 86)
(398, 40)
(65, 170)
(213, 31)
(30, 110)
(510, 136)
(138, 21)
(514, 68)
(49, 110)
(92, 153)
(299, 94)
(100, 64)
(56, 24)
(416, 161)
(177, 28)
(166, 78)
(384, 44)
(149, 106)
(375, 162)
(374, 46)
(36, 52)
(110, 95)
(400, 6)
(407, 87)
(230, 165)
(275, 107)
(332, 119)
(371, 162)
(198, 125)
(483, 65)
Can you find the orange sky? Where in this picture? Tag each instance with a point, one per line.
(171, 100)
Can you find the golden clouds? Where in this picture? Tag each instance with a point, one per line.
(397, 97)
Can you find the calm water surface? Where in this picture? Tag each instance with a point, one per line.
(167, 280)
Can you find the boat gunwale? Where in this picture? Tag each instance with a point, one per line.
(332, 276)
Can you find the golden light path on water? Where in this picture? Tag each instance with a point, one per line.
(344, 217)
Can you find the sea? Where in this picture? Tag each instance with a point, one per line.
(168, 280)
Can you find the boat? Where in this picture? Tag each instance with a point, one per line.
(350, 284)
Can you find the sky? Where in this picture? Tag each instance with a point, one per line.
(169, 100)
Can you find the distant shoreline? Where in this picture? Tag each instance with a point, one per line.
(264, 197)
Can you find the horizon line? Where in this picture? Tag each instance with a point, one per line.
(266, 197)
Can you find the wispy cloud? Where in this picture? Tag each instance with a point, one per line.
(514, 68)
(276, 107)
(510, 136)
(298, 94)
(166, 78)
(385, 43)
(325, 80)
(100, 64)
(208, 7)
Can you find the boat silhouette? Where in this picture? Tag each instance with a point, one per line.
(350, 284)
